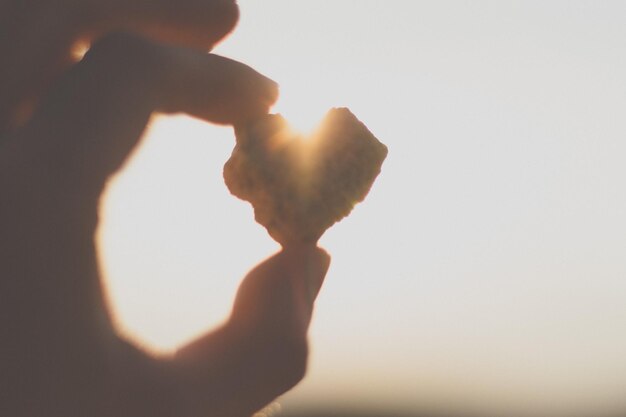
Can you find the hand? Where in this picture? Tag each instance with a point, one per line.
(37, 38)
(69, 126)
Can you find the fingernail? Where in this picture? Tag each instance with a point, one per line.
(323, 260)
(272, 89)
(316, 267)
(316, 263)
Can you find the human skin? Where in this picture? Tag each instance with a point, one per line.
(65, 128)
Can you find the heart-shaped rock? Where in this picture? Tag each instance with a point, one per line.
(300, 186)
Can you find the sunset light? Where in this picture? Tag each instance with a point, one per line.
(303, 117)
(485, 271)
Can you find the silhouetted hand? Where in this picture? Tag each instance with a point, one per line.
(65, 127)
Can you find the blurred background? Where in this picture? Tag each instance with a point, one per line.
(485, 273)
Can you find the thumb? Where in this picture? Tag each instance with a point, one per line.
(278, 295)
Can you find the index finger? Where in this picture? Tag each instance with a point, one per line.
(37, 38)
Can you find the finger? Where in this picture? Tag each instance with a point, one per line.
(197, 23)
(277, 297)
(89, 123)
(232, 93)
(36, 38)
(262, 351)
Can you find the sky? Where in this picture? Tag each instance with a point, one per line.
(486, 268)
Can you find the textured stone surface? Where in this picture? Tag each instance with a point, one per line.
(300, 186)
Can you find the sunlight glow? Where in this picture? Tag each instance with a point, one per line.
(170, 238)
(79, 49)
(486, 266)
(303, 116)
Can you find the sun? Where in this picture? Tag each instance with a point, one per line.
(304, 116)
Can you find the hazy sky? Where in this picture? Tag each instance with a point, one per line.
(485, 269)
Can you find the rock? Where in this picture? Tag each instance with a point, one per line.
(300, 186)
